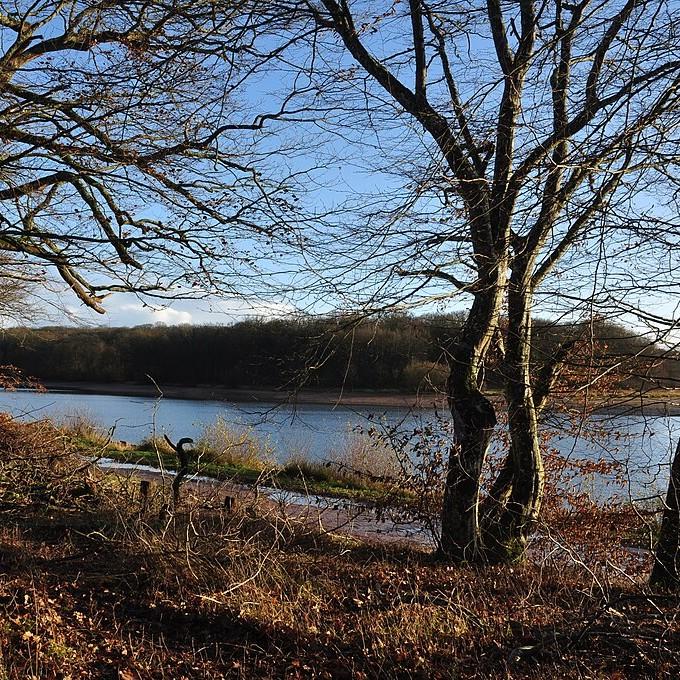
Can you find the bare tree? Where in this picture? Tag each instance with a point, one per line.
(530, 133)
(17, 288)
(130, 155)
(666, 568)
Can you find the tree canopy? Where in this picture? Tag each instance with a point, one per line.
(130, 160)
(398, 352)
(535, 146)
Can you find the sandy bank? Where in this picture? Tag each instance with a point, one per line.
(653, 404)
(212, 392)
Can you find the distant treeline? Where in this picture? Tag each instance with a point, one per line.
(395, 352)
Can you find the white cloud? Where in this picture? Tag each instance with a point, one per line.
(124, 310)
(171, 316)
(139, 313)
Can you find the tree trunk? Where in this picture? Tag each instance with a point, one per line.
(666, 569)
(514, 508)
(473, 420)
(518, 515)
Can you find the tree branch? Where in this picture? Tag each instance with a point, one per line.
(419, 49)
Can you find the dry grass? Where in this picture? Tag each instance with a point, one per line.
(364, 458)
(364, 464)
(40, 467)
(157, 444)
(120, 587)
(82, 425)
(222, 444)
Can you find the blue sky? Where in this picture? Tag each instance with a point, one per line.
(348, 159)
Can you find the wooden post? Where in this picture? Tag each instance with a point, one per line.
(144, 486)
(666, 569)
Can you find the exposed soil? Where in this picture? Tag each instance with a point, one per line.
(656, 403)
(217, 393)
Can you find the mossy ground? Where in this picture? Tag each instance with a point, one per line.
(312, 478)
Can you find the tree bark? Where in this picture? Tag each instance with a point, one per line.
(514, 510)
(666, 569)
(474, 418)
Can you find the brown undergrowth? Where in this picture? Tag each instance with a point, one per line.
(98, 581)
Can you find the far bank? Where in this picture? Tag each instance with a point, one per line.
(660, 402)
(367, 398)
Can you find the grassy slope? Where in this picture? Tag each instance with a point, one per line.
(309, 478)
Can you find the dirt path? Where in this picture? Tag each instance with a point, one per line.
(332, 515)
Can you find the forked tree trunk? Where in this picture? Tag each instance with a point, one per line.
(666, 569)
(514, 501)
(517, 517)
(473, 420)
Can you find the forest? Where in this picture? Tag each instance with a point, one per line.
(396, 352)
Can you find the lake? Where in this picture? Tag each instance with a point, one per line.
(642, 444)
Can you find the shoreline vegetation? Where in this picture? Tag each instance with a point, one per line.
(242, 458)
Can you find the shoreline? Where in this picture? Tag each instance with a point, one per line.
(649, 405)
(253, 395)
(342, 515)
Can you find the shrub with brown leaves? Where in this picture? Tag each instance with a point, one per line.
(40, 467)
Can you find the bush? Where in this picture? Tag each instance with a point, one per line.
(40, 466)
(424, 375)
(220, 443)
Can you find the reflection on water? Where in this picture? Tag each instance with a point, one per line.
(642, 444)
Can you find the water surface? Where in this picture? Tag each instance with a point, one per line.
(641, 444)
